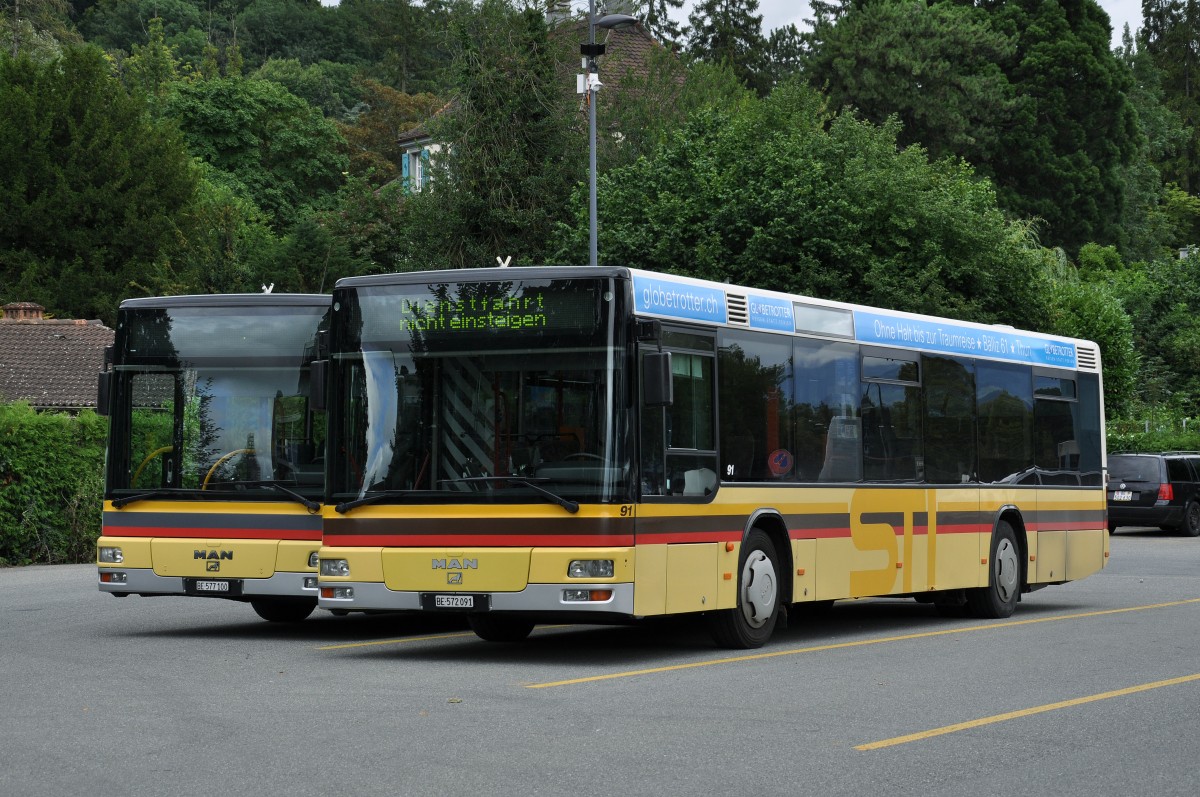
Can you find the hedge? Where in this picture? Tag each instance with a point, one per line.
(51, 485)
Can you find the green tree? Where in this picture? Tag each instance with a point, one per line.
(153, 67)
(1083, 304)
(402, 43)
(37, 28)
(281, 149)
(120, 24)
(1170, 37)
(373, 135)
(326, 85)
(936, 67)
(509, 157)
(729, 31)
(782, 196)
(94, 189)
(1063, 157)
(655, 15)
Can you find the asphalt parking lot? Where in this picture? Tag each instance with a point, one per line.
(1092, 688)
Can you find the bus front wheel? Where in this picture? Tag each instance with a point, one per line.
(283, 610)
(750, 623)
(999, 598)
(498, 628)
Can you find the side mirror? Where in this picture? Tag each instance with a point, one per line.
(103, 386)
(318, 371)
(658, 389)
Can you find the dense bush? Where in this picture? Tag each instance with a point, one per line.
(51, 485)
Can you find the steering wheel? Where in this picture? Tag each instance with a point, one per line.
(146, 461)
(222, 461)
(583, 455)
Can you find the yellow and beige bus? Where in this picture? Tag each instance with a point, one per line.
(215, 466)
(566, 444)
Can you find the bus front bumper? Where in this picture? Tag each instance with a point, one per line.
(119, 580)
(547, 599)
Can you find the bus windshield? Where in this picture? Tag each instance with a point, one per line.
(215, 399)
(480, 391)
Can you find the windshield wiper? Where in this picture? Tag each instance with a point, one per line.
(129, 499)
(371, 498)
(309, 504)
(570, 506)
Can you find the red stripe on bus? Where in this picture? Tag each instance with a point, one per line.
(176, 532)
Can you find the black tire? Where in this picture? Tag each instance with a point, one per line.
(751, 623)
(283, 610)
(1190, 527)
(999, 598)
(951, 604)
(499, 628)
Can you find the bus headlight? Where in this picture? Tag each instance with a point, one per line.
(111, 555)
(335, 567)
(587, 595)
(590, 568)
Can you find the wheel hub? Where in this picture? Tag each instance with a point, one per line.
(760, 591)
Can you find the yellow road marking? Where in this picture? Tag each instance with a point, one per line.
(860, 643)
(1025, 712)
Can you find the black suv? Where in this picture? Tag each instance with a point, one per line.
(1155, 490)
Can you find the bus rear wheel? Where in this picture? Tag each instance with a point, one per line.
(498, 628)
(283, 610)
(751, 623)
(999, 598)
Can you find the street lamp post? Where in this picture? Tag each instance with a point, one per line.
(590, 52)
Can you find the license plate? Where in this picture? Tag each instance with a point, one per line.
(220, 587)
(1122, 495)
(461, 602)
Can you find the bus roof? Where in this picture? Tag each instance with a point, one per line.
(230, 300)
(692, 300)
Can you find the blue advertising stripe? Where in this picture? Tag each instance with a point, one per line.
(947, 338)
(768, 312)
(678, 299)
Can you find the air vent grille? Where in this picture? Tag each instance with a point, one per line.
(1087, 358)
(739, 310)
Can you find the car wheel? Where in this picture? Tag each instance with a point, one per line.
(999, 597)
(750, 624)
(1191, 520)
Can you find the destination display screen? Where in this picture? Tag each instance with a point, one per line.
(484, 315)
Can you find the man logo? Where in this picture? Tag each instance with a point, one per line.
(454, 578)
(455, 564)
(214, 566)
